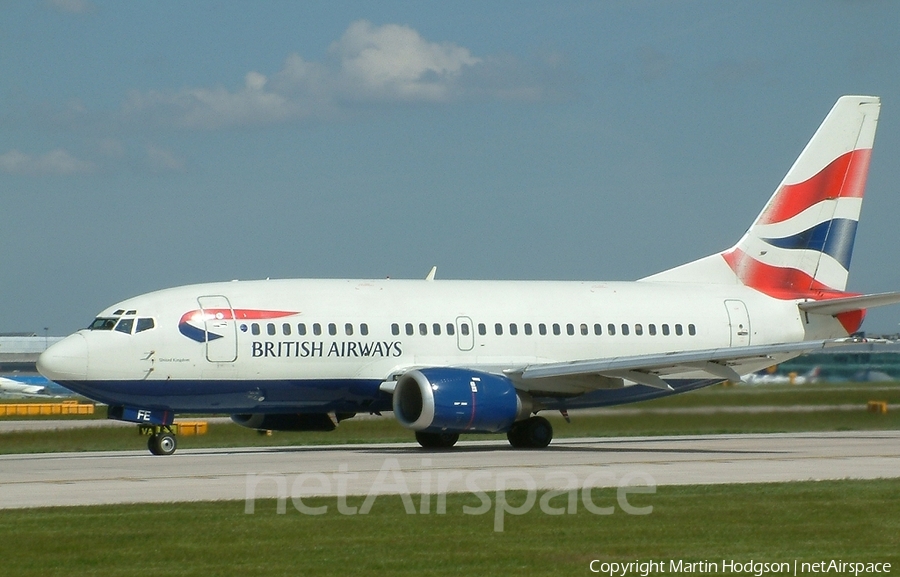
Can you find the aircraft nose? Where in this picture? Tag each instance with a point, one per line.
(66, 360)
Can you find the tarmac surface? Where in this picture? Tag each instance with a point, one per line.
(107, 478)
(18, 425)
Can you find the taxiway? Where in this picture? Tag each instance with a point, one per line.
(58, 479)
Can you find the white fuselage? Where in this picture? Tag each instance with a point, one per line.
(331, 336)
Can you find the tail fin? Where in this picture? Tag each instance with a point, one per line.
(801, 243)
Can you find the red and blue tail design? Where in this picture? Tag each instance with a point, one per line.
(801, 244)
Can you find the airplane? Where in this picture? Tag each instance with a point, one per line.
(23, 385)
(31, 386)
(767, 378)
(452, 356)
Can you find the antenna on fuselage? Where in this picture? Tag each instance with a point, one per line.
(431, 273)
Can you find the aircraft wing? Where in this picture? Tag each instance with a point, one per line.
(652, 369)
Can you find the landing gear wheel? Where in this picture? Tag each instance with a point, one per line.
(437, 440)
(162, 444)
(533, 433)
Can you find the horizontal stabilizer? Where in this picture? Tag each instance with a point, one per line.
(847, 304)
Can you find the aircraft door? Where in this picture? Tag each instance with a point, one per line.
(221, 330)
(465, 334)
(739, 321)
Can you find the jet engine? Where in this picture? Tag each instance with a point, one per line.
(458, 400)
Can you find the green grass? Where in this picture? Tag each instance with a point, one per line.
(850, 520)
(582, 425)
(782, 395)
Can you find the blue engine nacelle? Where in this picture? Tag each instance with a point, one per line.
(458, 400)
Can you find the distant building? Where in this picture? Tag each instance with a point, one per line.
(19, 351)
(860, 362)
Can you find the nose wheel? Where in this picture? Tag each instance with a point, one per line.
(162, 442)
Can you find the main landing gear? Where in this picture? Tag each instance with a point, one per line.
(533, 433)
(436, 440)
(162, 439)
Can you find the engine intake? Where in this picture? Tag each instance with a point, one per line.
(458, 400)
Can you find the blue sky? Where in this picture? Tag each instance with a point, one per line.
(154, 144)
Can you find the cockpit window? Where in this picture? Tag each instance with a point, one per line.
(125, 326)
(144, 325)
(102, 324)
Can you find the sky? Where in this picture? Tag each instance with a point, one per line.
(153, 144)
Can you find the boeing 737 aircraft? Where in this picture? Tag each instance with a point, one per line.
(31, 386)
(23, 385)
(450, 357)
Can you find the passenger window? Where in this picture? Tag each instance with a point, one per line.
(364, 329)
(542, 328)
(528, 329)
(317, 329)
(348, 329)
(584, 329)
(624, 329)
(395, 329)
(498, 329)
(464, 329)
(409, 329)
(570, 329)
(639, 329)
(611, 329)
(692, 330)
(423, 329)
(482, 330)
(332, 329)
(286, 329)
(651, 328)
(598, 329)
(144, 325)
(125, 326)
(451, 330)
(270, 328)
(301, 329)
(556, 330)
(665, 330)
(678, 330)
(513, 329)
(254, 328)
(436, 329)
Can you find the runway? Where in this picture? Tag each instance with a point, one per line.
(106, 478)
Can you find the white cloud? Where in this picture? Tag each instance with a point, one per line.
(215, 107)
(383, 64)
(394, 61)
(57, 161)
(111, 147)
(163, 160)
(72, 6)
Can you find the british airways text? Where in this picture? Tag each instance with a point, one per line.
(322, 349)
